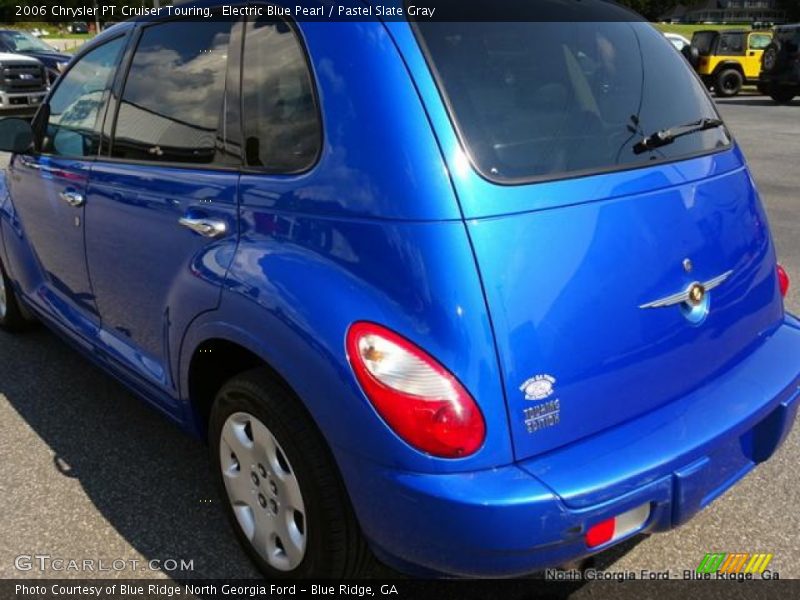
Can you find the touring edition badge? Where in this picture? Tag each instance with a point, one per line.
(541, 416)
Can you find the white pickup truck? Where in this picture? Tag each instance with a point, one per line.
(23, 84)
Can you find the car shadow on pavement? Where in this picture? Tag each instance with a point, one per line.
(145, 478)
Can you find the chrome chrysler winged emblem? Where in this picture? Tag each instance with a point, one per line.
(694, 295)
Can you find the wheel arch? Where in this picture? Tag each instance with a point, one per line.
(211, 354)
(729, 64)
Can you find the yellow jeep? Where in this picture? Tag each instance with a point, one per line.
(726, 60)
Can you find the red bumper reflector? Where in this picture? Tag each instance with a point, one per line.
(601, 533)
(783, 280)
(617, 527)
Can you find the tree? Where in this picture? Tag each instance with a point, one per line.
(652, 9)
(792, 8)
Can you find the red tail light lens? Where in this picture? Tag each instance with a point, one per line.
(420, 400)
(783, 281)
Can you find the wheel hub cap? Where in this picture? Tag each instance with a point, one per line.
(263, 491)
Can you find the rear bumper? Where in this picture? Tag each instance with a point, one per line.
(521, 518)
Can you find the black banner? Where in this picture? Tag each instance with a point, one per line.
(520, 589)
(105, 11)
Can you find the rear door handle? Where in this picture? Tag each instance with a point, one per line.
(72, 198)
(210, 228)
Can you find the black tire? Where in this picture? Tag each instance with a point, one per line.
(783, 95)
(763, 89)
(771, 60)
(12, 317)
(728, 83)
(335, 547)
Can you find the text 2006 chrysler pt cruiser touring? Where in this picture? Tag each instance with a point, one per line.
(474, 298)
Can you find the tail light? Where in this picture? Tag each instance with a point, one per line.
(420, 400)
(783, 281)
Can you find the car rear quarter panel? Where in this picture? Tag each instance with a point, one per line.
(374, 233)
(297, 284)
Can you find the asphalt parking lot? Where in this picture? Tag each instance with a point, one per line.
(88, 471)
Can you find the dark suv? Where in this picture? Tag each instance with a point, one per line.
(780, 65)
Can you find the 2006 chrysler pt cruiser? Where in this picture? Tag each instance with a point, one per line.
(475, 298)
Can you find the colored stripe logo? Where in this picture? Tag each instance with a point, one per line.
(741, 562)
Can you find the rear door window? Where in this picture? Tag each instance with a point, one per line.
(172, 102)
(535, 101)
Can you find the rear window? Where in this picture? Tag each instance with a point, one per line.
(759, 41)
(536, 101)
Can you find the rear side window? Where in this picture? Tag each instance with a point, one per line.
(731, 44)
(172, 102)
(543, 100)
(703, 40)
(281, 121)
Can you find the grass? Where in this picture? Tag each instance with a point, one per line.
(687, 30)
(68, 42)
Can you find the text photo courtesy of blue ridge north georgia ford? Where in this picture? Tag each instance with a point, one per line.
(398, 291)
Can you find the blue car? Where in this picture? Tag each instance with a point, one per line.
(471, 298)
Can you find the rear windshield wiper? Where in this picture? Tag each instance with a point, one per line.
(667, 136)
